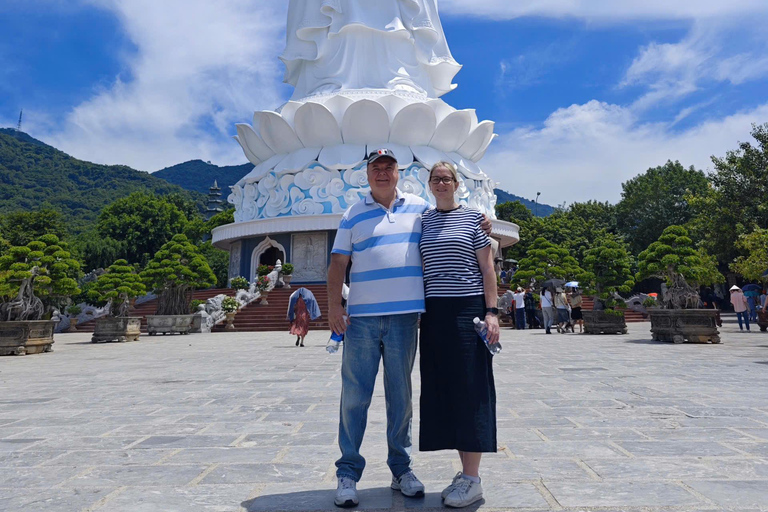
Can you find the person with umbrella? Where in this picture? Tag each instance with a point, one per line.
(548, 302)
(752, 292)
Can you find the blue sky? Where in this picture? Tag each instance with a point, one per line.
(585, 94)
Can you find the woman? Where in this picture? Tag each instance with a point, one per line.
(458, 395)
(302, 306)
(561, 304)
(576, 316)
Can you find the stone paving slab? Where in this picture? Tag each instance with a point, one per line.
(248, 422)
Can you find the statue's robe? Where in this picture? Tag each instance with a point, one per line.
(367, 44)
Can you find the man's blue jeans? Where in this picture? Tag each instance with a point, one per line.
(519, 318)
(745, 316)
(369, 339)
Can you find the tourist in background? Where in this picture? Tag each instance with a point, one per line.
(740, 306)
(302, 306)
(531, 318)
(752, 296)
(547, 309)
(458, 394)
(519, 309)
(561, 305)
(576, 301)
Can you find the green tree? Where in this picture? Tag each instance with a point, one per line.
(220, 219)
(737, 202)
(116, 288)
(513, 211)
(21, 227)
(175, 270)
(143, 222)
(96, 251)
(218, 261)
(599, 216)
(674, 257)
(36, 278)
(607, 268)
(658, 198)
(754, 263)
(546, 260)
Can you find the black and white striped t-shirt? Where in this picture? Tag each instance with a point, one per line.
(448, 244)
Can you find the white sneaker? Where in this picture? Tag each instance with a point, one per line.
(464, 493)
(346, 493)
(409, 485)
(448, 489)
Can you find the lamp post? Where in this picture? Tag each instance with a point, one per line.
(536, 205)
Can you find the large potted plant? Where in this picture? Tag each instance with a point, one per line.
(34, 280)
(287, 274)
(674, 258)
(116, 289)
(174, 272)
(607, 271)
(230, 307)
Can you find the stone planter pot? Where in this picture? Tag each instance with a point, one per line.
(28, 337)
(72, 324)
(122, 329)
(263, 301)
(230, 321)
(680, 325)
(165, 324)
(762, 320)
(600, 322)
(287, 280)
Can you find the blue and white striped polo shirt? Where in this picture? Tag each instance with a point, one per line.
(386, 276)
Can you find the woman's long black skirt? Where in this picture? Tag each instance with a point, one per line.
(458, 395)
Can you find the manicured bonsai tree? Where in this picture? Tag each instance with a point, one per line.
(607, 271)
(674, 258)
(175, 270)
(37, 278)
(116, 288)
(546, 260)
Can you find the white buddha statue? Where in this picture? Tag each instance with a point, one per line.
(394, 45)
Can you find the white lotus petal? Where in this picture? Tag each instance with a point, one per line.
(403, 154)
(255, 144)
(261, 170)
(478, 140)
(342, 156)
(247, 152)
(288, 111)
(276, 132)
(414, 125)
(392, 104)
(428, 156)
(316, 126)
(467, 167)
(296, 161)
(338, 106)
(441, 108)
(480, 154)
(365, 121)
(452, 132)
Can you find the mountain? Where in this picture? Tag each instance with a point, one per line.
(34, 174)
(198, 175)
(542, 209)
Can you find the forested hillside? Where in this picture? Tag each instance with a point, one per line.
(34, 175)
(199, 176)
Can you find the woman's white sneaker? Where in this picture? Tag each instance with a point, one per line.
(346, 493)
(448, 489)
(464, 493)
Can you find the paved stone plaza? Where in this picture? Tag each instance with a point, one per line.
(233, 422)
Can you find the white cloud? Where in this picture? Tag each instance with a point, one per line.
(197, 64)
(605, 10)
(586, 151)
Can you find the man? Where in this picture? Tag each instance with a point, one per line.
(519, 309)
(547, 309)
(380, 236)
(530, 309)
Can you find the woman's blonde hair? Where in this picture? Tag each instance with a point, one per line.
(445, 165)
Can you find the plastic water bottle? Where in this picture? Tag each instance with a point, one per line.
(334, 342)
(482, 330)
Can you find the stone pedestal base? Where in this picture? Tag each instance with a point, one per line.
(681, 325)
(600, 322)
(28, 337)
(165, 324)
(120, 329)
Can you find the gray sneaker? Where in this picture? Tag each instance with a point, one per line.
(346, 493)
(466, 492)
(448, 489)
(409, 485)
